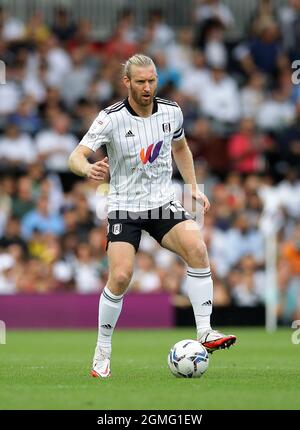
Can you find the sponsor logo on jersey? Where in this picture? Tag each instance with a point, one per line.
(152, 152)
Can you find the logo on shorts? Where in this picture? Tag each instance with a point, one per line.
(166, 127)
(116, 229)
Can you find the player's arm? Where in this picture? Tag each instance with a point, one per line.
(97, 135)
(185, 163)
(79, 164)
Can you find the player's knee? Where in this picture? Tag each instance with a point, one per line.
(122, 277)
(196, 256)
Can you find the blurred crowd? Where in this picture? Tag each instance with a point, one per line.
(242, 120)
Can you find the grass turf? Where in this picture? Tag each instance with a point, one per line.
(50, 370)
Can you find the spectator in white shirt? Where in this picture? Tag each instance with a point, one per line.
(287, 16)
(7, 275)
(212, 42)
(86, 271)
(145, 278)
(194, 79)
(75, 83)
(55, 145)
(58, 61)
(16, 148)
(289, 193)
(10, 94)
(34, 83)
(220, 99)
(160, 35)
(12, 29)
(252, 95)
(214, 9)
(276, 113)
(180, 54)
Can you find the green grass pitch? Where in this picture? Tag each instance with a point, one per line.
(50, 370)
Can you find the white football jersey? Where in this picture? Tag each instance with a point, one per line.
(139, 152)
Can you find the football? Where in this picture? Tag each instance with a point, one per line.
(188, 359)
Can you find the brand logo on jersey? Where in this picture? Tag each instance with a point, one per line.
(151, 155)
(116, 229)
(129, 134)
(166, 127)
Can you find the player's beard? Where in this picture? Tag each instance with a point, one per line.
(140, 100)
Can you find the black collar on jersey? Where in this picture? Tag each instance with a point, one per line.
(133, 112)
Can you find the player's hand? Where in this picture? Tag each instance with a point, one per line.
(202, 199)
(99, 171)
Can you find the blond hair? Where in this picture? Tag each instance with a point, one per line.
(139, 60)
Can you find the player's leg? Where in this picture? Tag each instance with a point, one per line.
(123, 240)
(185, 239)
(121, 257)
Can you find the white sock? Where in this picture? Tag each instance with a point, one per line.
(110, 307)
(200, 292)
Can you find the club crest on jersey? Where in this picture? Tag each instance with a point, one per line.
(116, 229)
(151, 155)
(166, 127)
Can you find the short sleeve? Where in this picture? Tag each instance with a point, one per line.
(99, 132)
(179, 132)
